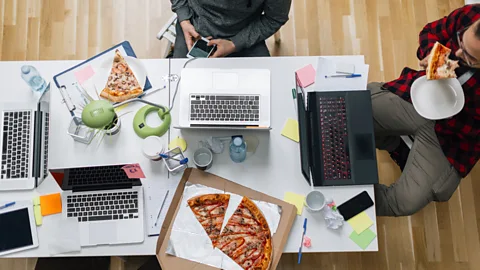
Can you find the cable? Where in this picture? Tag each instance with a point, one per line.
(178, 83)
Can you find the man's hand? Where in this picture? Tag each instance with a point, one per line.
(189, 32)
(424, 63)
(224, 47)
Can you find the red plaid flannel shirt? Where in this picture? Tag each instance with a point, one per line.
(459, 136)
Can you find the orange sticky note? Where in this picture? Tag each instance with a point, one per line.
(51, 204)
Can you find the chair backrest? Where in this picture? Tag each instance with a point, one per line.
(168, 30)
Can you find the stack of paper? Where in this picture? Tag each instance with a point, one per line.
(328, 67)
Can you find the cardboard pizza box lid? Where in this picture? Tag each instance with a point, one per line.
(195, 176)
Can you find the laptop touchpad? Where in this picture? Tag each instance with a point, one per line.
(103, 233)
(223, 80)
(364, 147)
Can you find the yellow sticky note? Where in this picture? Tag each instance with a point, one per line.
(51, 204)
(37, 211)
(290, 130)
(360, 222)
(295, 199)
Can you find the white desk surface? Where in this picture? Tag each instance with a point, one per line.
(273, 169)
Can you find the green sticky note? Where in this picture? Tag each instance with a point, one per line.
(363, 239)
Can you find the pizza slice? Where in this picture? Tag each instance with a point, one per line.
(210, 210)
(121, 84)
(246, 238)
(439, 65)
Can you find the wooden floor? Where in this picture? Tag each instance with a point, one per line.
(442, 236)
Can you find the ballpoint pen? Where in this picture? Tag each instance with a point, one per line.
(344, 76)
(7, 205)
(161, 207)
(181, 161)
(301, 243)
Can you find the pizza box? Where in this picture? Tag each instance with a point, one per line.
(195, 176)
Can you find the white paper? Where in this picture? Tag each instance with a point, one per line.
(327, 67)
(188, 238)
(67, 237)
(153, 202)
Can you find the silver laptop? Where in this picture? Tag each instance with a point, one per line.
(224, 98)
(24, 143)
(107, 203)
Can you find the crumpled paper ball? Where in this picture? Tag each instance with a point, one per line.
(333, 218)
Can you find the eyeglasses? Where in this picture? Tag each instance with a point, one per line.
(469, 59)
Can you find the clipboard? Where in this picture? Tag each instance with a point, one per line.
(67, 78)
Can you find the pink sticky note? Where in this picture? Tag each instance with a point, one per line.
(133, 171)
(84, 74)
(306, 76)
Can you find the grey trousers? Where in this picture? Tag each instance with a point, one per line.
(428, 175)
(180, 50)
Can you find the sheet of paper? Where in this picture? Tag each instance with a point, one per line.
(37, 211)
(295, 199)
(67, 237)
(153, 202)
(51, 204)
(84, 74)
(326, 67)
(360, 222)
(363, 239)
(290, 130)
(133, 171)
(306, 76)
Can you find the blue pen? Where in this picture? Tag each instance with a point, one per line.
(7, 205)
(344, 76)
(301, 243)
(182, 161)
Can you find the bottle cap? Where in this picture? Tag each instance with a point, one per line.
(237, 141)
(25, 69)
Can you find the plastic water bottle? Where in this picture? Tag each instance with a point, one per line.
(238, 150)
(31, 76)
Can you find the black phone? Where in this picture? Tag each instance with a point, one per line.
(201, 49)
(355, 205)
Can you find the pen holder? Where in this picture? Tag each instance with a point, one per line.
(79, 131)
(173, 164)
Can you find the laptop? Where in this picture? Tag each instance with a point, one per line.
(337, 143)
(224, 98)
(108, 204)
(24, 143)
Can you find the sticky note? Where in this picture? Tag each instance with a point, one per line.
(37, 211)
(306, 76)
(290, 130)
(133, 171)
(363, 239)
(51, 204)
(84, 74)
(360, 222)
(295, 199)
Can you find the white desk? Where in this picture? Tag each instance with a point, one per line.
(275, 167)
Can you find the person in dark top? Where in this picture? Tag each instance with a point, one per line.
(239, 28)
(445, 150)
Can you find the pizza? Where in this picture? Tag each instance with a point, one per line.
(439, 65)
(246, 238)
(210, 211)
(121, 84)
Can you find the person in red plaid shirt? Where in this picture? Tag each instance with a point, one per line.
(445, 150)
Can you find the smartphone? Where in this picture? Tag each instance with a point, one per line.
(355, 205)
(201, 49)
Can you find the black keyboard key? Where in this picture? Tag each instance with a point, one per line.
(115, 216)
(100, 218)
(228, 98)
(133, 211)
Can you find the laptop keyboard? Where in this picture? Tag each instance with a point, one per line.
(98, 175)
(45, 152)
(103, 206)
(16, 144)
(216, 108)
(335, 152)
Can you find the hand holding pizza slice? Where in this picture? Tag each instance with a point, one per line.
(439, 65)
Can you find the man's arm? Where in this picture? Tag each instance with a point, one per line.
(182, 9)
(275, 15)
(445, 29)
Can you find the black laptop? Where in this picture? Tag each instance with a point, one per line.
(337, 144)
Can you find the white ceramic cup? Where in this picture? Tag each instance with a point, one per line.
(315, 201)
(152, 147)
